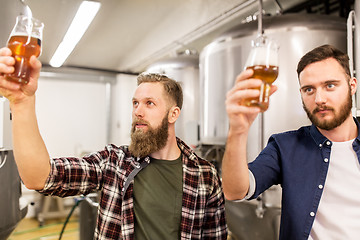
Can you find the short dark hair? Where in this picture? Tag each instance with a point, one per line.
(324, 52)
(172, 87)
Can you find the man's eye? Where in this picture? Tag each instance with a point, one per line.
(330, 85)
(308, 90)
(150, 103)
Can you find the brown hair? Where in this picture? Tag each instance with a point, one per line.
(321, 53)
(172, 87)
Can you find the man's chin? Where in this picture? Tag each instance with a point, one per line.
(326, 116)
(140, 130)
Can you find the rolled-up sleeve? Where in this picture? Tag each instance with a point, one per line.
(74, 176)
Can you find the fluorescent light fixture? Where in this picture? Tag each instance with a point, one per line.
(79, 25)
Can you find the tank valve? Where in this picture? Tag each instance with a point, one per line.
(260, 209)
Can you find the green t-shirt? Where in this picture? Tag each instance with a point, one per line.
(158, 200)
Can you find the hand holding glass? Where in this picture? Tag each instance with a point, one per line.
(24, 41)
(263, 60)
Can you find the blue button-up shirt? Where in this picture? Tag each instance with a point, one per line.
(299, 161)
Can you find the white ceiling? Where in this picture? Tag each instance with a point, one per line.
(128, 35)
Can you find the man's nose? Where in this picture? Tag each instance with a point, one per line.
(320, 97)
(138, 111)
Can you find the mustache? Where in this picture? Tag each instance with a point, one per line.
(139, 121)
(322, 108)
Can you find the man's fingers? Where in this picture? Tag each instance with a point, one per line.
(5, 51)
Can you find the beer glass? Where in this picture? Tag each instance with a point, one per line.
(24, 41)
(263, 60)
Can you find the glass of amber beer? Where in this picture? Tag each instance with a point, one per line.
(24, 41)
(263, 60)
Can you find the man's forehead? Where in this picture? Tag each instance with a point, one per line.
(149, 90)
(328, 69)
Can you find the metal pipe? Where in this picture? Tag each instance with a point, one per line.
(260, 19)
(260, 206)
(108, 111)
(3, 157)
(260, 34)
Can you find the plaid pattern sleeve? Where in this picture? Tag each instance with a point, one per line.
(106, 171)
(73, 176)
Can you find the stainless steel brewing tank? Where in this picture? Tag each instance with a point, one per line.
(223, 59)
(8, 12)
(184, 68)
(13, 207)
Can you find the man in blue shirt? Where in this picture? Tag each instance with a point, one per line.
(317, 166)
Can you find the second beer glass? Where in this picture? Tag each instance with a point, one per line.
(24, 41)
(263, 60)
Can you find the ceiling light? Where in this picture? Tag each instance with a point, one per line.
(79, 25)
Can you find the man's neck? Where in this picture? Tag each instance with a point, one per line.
(170, 152)
(345, 132)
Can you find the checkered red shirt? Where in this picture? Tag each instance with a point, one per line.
(203, 212)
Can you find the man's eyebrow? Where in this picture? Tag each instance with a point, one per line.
(324, 83)
(332, 81)
(146, 98)
(306, 86)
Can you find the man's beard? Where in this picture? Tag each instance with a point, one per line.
(150, 141)
(344, 112)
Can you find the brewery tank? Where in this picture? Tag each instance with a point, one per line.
(223, 59)
(354, 45)
(13, 206)
(184, 68)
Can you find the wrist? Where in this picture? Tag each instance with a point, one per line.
(238, 132)
(25, 104)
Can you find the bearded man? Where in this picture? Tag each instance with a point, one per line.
(156, 188)
(317, 166)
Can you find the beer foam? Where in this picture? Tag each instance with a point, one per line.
(262, 55)
(33, 34)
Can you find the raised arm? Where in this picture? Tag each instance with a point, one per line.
(30, 152)
(235, 174)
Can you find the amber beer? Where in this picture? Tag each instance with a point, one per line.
(24, 42)
(22, 49)
(268, 75)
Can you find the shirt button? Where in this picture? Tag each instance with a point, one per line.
(123, 189)
(326, 160)
(328, 143)
(312, 214)
(321, 186)
(320, 145)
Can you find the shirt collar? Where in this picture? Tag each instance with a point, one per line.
(358, 127)
(321, 139)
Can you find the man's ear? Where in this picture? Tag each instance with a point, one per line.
(353, 85)
(174, 114)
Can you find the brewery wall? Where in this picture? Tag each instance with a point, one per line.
(73, 122)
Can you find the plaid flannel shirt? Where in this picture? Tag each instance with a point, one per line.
(203, 211)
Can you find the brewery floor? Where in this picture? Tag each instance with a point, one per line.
(29, 229)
